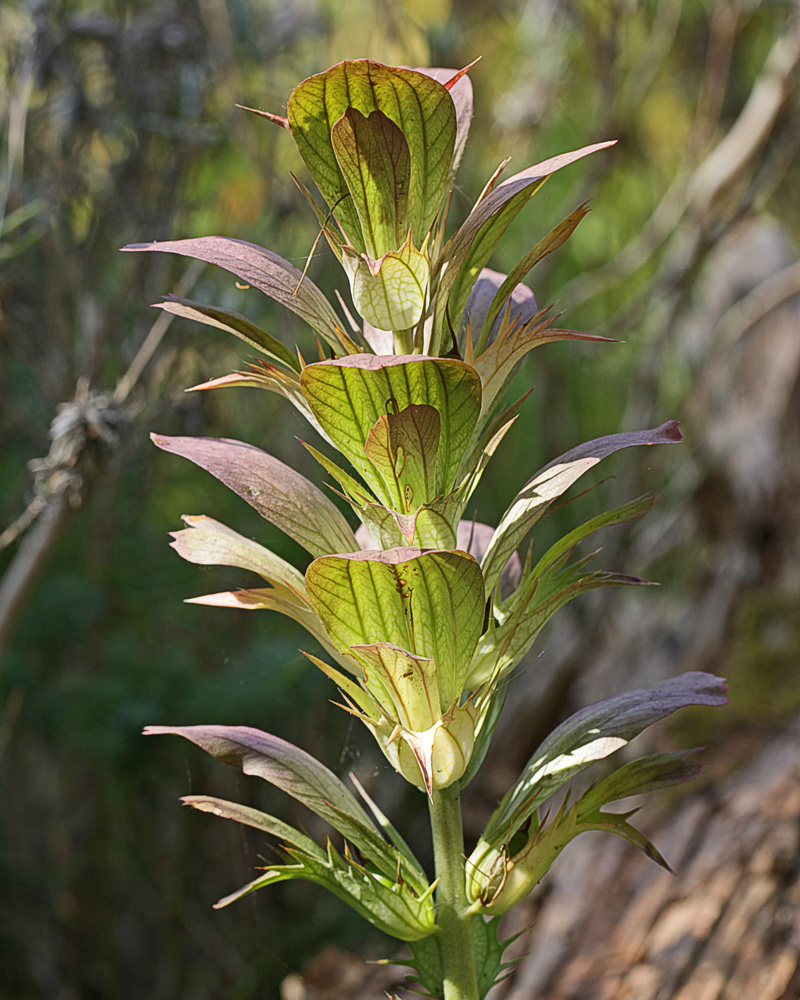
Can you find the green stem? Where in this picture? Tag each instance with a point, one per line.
(403, 341)
(455, 924)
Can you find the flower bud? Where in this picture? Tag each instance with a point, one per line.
(496, 881)
(434, 758)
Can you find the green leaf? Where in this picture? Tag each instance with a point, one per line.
(471, 246)
(483, 734)
(461, 94)
(609, 518)
(550, 482)
(554, 239)
(431, 526)
(233, 323)
(265, 599)
(427, 965)
(206, 542)
(436, 523)
(257, 820)
(489, 949)
(418, 105)
(402, 448)
(430, 604)
(500, 882)
(489, 953)
(390, 292)
(375, 162)
(348, 396)
(410, 682)
(590, 735)
(647, 774)
(266, 271)
(304, 778)
(281, 495)
(391, 907)
(504, 646)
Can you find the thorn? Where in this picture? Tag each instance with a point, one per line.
(347, 314)
(314, 246)
(395, 733)
(280, 120)
(454, 79)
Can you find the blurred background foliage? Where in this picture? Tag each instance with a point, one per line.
(119, 125)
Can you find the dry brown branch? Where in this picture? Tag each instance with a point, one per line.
(699, 192)
(85, 434)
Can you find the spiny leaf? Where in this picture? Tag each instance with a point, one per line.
(281, 495)
(512, 343)
(488, 952)
(389, 830)
(523, 303)
(256, 819)
(502, 648)
(470, 248)
(304, 778)
(427, 965)
(594, 733)
(233, 323)
(391, 907)
(209, 543)
(554, 479)
(637, 777)
(354, 492)
(263, 375)
(266, 271)
(618, 515)
(280, 120)
(554, 239)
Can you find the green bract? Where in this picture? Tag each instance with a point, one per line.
(420, 616)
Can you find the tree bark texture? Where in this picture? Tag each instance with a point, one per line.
(612, 926)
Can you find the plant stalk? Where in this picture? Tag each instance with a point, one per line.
(455, 924)
(404, 341)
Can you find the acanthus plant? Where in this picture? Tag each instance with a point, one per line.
(422, 616)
